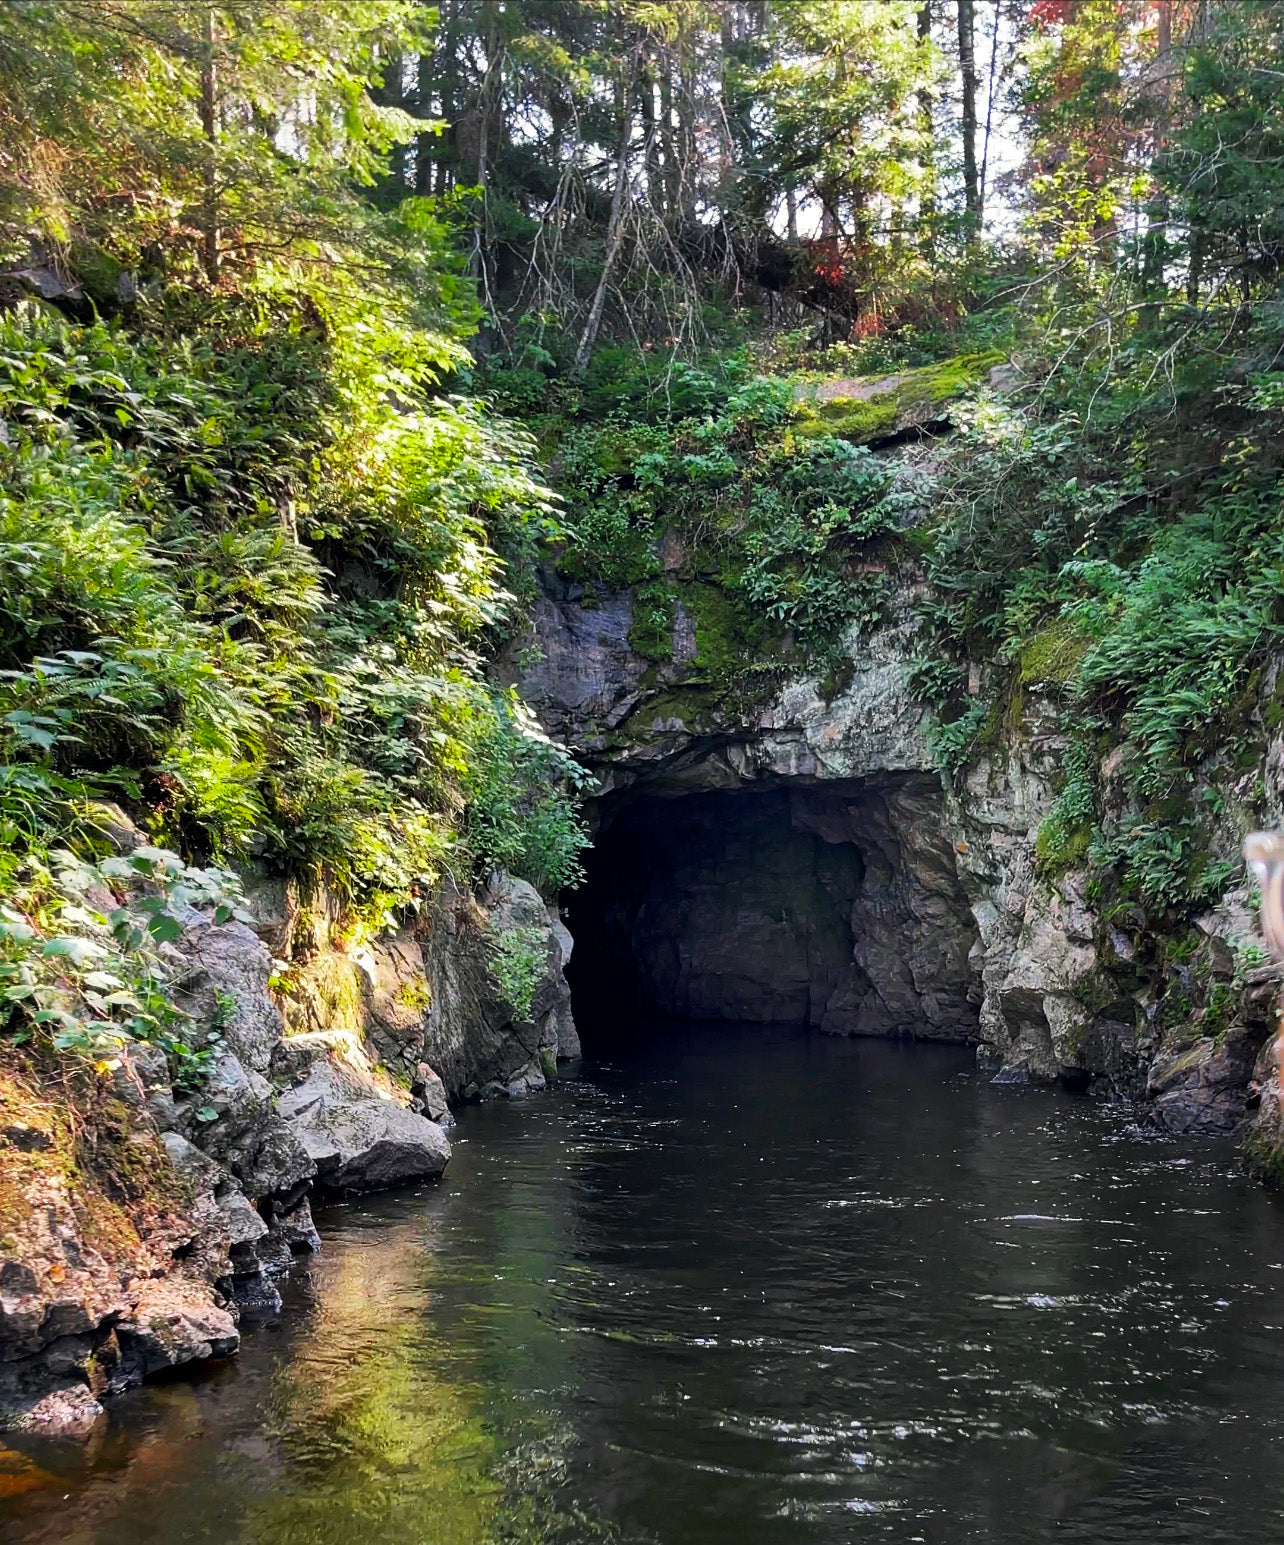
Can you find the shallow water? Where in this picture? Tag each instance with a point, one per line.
(740, 1287)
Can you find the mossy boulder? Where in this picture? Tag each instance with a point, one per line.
(865, 411)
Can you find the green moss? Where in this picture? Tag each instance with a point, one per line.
(86, 1146)
(1060, 847)
(651, 633)
(1052, 655)
(862, 419)
(938, 383)
(728, 634)
(548, 1063)
(1175, 1014)
(852, 418)
(326, 993)
(99, 273)
(837, 678)
(416, 993)
(1219, 1011)
(689, 704)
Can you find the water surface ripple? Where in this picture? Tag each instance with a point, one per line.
(740, 1287)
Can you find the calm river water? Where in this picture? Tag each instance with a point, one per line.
(740, 1288)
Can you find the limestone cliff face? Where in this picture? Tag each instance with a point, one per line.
(949, 929)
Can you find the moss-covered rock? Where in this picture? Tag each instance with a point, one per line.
(867, 411)
(1051, 656)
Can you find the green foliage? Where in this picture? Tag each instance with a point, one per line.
(651, 633)
(824, 507)
(518, 961)
(951, 741)
(774, 544)
(521, 787)
(1052, 656)
(1072, 552)
(80, 962)
(206, 666)
(152, 136)
(1066, 835)
(1223, 164)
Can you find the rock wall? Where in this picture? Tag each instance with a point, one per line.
(426, 994)
(949, 910)
(140, 1224)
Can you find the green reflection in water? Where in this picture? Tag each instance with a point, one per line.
(379, 1439)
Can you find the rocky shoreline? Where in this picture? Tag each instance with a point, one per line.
(197, 1206)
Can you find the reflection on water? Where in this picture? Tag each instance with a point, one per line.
(740, 1288)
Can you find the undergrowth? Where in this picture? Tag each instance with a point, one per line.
(706, 487)
(1112, 538)
(251, 564)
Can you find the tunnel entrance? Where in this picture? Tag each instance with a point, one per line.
(837, 909)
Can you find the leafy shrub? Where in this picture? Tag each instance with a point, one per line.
(521, 786)
(1071, 548)
(788, 530)
(79, 961)
(951, 740)
(1066, 835)
(248, 563)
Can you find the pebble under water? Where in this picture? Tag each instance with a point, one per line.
(739, 1287)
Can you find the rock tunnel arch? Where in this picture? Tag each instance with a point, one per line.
(830, 904)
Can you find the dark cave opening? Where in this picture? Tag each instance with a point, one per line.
(838, 909)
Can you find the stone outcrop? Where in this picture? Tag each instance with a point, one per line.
(115, 1261)
(147, 1255)
(353, 1129)
(427, 995)
(941, 923)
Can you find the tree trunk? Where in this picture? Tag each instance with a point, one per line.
(614, 240)
(727, 40)
(651, 139)
(927, 129)
(989, 115)
(686, 143)
(391, 92)
(967, 69)
(445, 154)
(209, 126)
(667, 137)
(425, 92)
(485, 113)
(1155, 247)
(1195, 268)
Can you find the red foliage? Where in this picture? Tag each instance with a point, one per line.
(827, 261)
(1052, 13)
